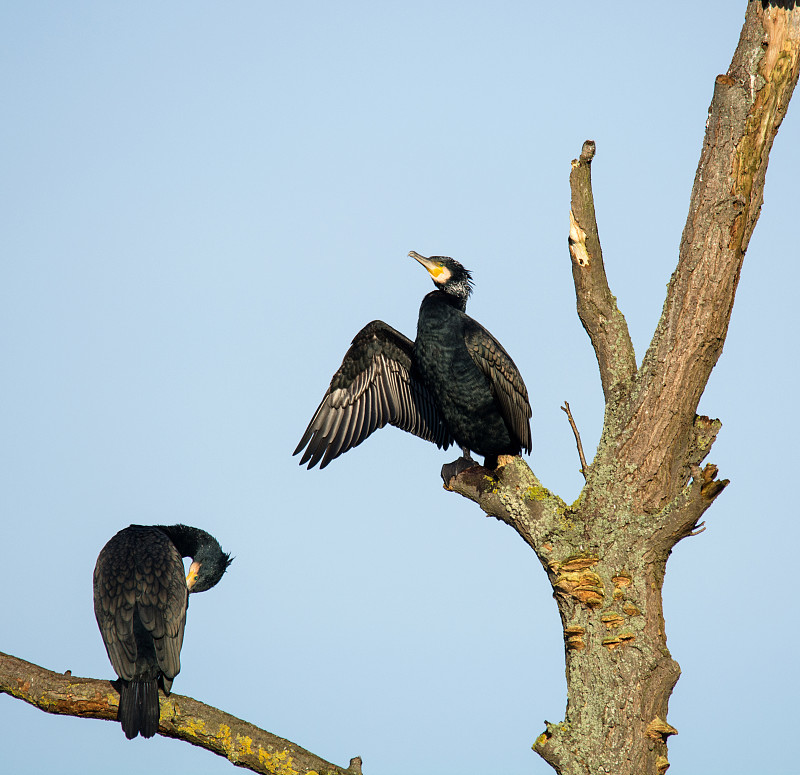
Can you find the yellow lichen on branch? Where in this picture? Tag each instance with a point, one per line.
(182, 718)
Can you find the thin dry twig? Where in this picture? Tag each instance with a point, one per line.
(566, 409)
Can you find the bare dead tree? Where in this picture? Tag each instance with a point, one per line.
(606, 554)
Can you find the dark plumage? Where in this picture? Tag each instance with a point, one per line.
(454, 383)
(140, 602)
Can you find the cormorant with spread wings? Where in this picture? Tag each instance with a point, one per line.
(454, 383)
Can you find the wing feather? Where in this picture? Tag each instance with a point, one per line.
(505, 380)
(376, 385)
(342, 432)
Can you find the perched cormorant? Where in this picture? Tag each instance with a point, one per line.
(140, 602)
(454, 383)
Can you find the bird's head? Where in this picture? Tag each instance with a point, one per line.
(209, 562)
(448, 275)
(207, 568)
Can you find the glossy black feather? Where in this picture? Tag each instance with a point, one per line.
(454, 383)
(138, 707)
(376, 385)
(140, 603)
(480, 392)
(505, 381)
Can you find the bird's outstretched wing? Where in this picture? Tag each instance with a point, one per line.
(504, 378)
(375, 385)
(140, 592)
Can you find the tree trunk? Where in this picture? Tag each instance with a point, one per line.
(606, 554)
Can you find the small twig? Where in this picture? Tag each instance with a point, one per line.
(698, 528)
(566, 409)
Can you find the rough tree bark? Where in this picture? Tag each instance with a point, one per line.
(183, 718)
(606, 554)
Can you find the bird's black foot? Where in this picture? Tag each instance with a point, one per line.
(450, 470)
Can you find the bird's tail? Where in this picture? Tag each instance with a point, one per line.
(138, 707)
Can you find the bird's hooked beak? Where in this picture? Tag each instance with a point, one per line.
(191, 576)
(439, 273)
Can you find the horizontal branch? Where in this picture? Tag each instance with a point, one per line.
(183, 718)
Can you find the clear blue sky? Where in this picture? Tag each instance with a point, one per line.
(203, 202)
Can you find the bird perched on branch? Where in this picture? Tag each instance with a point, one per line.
(454, 383)
(140, 602)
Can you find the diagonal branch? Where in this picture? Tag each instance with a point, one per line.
(747, 108)
(577, 435)
(597, 307)
(242, 743)
(513, 494)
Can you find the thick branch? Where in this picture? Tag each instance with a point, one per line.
(244, 744)
(513, 494)
(597, 307)
(747, 108)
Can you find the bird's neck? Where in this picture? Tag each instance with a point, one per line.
(186, 539)
(457, 301)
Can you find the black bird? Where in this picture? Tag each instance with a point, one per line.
(454, 383)
(140, 602)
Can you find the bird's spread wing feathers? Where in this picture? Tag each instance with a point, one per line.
(375, 385)
(504, 378)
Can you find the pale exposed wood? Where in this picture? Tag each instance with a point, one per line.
(597, 307)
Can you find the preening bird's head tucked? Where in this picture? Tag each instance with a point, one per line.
(448, 274)
(207, 568)
(209, 562)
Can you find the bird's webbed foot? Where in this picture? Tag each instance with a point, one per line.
(451, 470)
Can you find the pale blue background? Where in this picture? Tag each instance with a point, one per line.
(202, 202)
